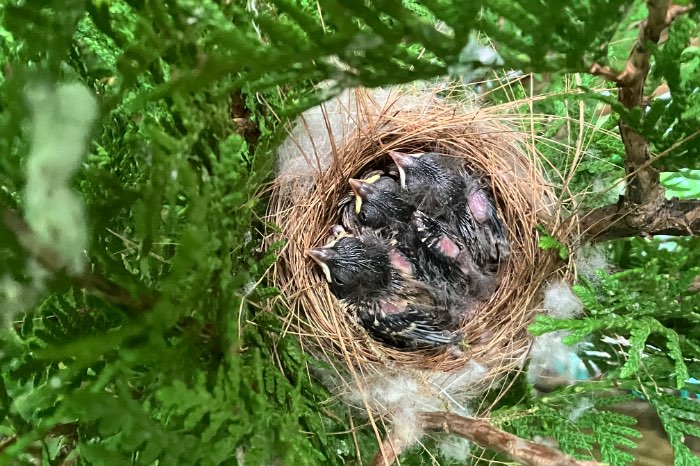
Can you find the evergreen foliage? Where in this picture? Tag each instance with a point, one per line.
(160, 351)
(580, 425)
(652, 306)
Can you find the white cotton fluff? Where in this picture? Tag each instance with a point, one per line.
(545, 349)
(16, 297)
(58, 218)
(561, 302)
(62, 118)
(12, 298)
(318, 133)
(399, 396)
(554, 363)
(590, 260)
(580, 409)
(308, 148)
(455, 448)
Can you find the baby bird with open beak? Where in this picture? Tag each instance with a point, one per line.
(377, 283)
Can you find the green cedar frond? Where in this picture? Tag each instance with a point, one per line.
(579, 429)
(680, 417)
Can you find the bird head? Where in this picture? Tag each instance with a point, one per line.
(428, 169)
(378, 201)
(364, 190)
(323, 257)
(403, 162)
(354, 268)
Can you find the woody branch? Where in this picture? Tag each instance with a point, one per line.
(643, 209)
(485, 435)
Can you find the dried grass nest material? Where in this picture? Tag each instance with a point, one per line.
(354, 132)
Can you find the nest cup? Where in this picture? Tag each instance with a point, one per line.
(352, 133)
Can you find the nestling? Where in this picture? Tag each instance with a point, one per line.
(433, 181)
(377, 202)
(377, 283)
(441, 187)
(443, 245)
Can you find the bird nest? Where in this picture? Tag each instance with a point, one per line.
(353, 133)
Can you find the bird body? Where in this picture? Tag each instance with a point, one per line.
(442, 188)
(385, 210)
(437, 237)
(377, 283)
(421, 240)
(479, 226)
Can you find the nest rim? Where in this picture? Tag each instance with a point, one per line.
(495, 147)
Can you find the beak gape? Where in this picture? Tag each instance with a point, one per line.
(362, 190)
(402, 161)
(321, 256)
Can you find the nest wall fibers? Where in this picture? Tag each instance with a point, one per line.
(341, 139)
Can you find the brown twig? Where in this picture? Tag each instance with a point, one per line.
(389, 451)
(482, 433)
(670, 217)
(643, 209)
(643, 184)
(661, 15)
(604, 72)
